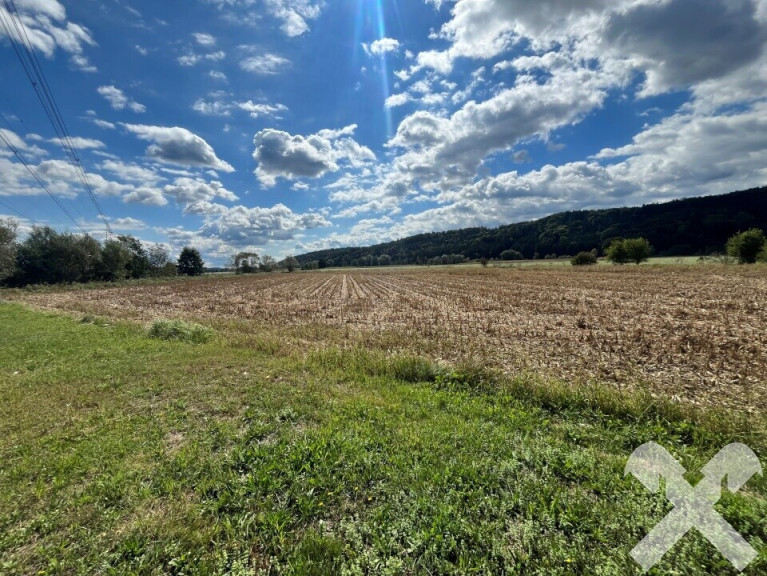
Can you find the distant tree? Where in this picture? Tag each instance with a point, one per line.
(190, 262)
(512, 255)
(138, 266)
(114, 261)
(313, 265)
(384, 260)
(584, 259)
(616, 253)
(158, 256)
(247, 262)
(268, 264)
(746, 246)
(635, 250)
(7, 248)
(47, 257)
(322, 263)
(290, 263)
(484, 261)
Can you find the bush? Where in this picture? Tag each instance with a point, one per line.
(584, 259)
(190, 262)
(746, 246)
(635, 250)
(180, 330)
(512, 255)
(7, 248)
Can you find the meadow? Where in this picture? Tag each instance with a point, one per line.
(409, 421)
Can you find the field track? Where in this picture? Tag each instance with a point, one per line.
(696, 333)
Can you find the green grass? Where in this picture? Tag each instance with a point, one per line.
(181, 330)
(124, 454)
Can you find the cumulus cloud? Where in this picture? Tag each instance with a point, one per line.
(258, 110)
(456, 145)
(194, 194)
(242, 226)
(295, 15)
(396, 100)
(212, 107)
(382, 46)
(204, 39)
(192, 58)
(679, 43)
(146, 196)
(48, 28)
(265, 64)
(175, 145)
(282, 155)
(118, 100)
(64, 178)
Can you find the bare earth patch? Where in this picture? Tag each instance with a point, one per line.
(696, 334)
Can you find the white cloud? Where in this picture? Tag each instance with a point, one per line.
(146, 196)
(82, 143)
(119, 101)
(397, 100)
(192, 58)
(83, 64)
(257, 110)
(294, 14)
(47, 29)
(195, 193)
(175, 145)
(131, 172)
(282, 155)
(212, 107)
(382, 46)
(127, 224)
(204, 39)
(240, 226)
(20, 143)
(266, 65)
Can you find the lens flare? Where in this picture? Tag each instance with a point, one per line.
(371, 21)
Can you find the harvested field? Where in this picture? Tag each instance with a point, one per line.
(696, 334)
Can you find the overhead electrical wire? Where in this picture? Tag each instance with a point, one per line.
(31, 170)
(31, 65)
(8, 205)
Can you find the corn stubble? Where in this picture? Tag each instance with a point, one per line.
(694, 334)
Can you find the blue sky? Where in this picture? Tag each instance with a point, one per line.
(283, 126)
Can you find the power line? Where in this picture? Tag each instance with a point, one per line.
(36, 76)
(29, 168)
(8, 205)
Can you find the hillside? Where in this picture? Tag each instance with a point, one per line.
(685, 227)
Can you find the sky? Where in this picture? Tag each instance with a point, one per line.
(285, 126)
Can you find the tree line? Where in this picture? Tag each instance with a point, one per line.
(50, 257)
(689, 227)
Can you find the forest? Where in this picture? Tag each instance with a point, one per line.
(688, 227)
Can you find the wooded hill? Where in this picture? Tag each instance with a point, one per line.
(688, 227)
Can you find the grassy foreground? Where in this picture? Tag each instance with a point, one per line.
(126, 454)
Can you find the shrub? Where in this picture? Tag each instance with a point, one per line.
(746, 246)
(7, 248)
(635, 250)
(584, 259)
(190, 262)
(180, 330)
(512, 255)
